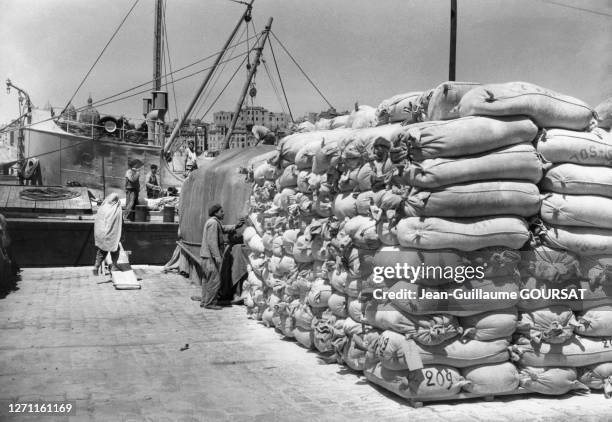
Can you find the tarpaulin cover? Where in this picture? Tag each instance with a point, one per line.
(218, 180)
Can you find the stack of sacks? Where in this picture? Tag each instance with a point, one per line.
(305, 126)
(253, 286)
(312, 297)
(360, 185)
(399, 108)
(547, 349)
(323, 124)
(472, 182)
(480, 174)
(449, 193)
(604, 115)
(362, 117)
(577, 227)
(441, 102)
(344, 275)
(470, 185)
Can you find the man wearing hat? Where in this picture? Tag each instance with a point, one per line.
(211, 252)
(132, 188)
(152, 183)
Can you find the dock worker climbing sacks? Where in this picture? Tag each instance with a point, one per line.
(107, 231)
(263, 135)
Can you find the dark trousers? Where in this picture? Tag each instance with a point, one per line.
(131, 199)
(228, 288)
(101, 255)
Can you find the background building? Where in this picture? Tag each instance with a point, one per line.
(242, 136)
(192, 130)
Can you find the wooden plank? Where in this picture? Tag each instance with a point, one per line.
(124, 279)
(418, 402)
(8, 197)
(42, 204)
(4, 193)
(25, 203)
(7, 194)
(15, 199)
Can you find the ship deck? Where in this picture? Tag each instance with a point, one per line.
(12, 201)
(60, 233)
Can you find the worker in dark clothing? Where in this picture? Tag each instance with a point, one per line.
(231, 276)
(263, 135)
(132, 188)
(152, 183)
(213, 245)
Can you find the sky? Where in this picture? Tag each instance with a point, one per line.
(353, 50)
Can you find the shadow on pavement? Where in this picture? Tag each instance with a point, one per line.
(8, 283)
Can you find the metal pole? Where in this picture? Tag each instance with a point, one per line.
(103, 178)
(27, 119)
(157, 45)
(252, 71)
(453, 41)
(182, 119)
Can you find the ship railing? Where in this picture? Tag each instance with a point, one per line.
(119, 130)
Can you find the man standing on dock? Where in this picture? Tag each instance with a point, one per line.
(191, 162)
(213, 245)
(152, 183)
(132, 188)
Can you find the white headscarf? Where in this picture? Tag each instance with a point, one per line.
(107, 226)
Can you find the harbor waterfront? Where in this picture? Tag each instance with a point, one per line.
(262, 210)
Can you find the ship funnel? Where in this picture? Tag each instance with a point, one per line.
(160, 100)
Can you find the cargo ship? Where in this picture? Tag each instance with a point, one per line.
(64, 163)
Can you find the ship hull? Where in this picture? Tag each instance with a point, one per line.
(57, 243)
(96, 164)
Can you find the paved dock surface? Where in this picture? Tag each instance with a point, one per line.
(67, 335)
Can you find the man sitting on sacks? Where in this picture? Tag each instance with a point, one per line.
(382, 167)
(263, 135)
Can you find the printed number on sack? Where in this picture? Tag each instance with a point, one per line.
(439, 378)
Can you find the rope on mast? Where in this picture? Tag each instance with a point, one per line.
(217, 76)
(100, 55)
(167, 44)
(101, 103)
(273, 84)
(301, 70)
(280, 80)
(230, 79)
(225, 87)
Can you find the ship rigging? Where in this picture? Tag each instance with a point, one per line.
(94, 151)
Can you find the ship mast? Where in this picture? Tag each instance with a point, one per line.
(155, 109)
(252, 71)
(246, 16)
(157, 45)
